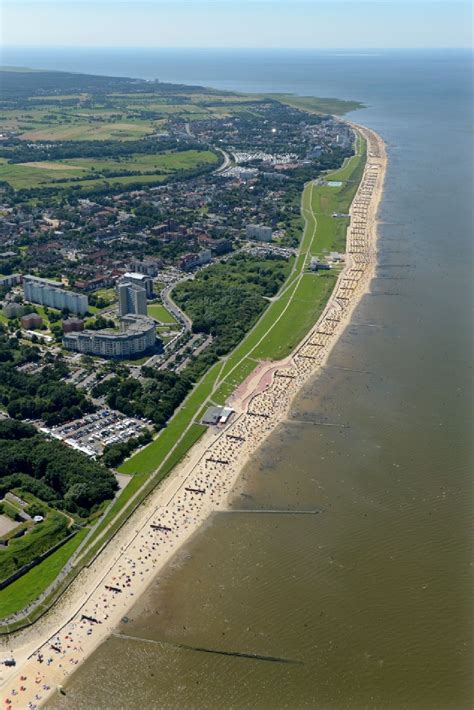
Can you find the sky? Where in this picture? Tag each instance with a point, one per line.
(306, 24)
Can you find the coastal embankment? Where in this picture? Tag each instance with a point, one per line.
(102, 594)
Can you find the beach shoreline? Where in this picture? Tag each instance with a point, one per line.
(200, 485)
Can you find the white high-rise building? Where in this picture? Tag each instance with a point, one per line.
(259, 232)
(50, 293)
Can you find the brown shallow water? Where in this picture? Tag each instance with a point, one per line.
(365, 604)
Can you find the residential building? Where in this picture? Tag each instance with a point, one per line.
(95, 283)
(31, 321)
(73, 325)
(148, 265)
(12, 309)
(190, 261)
(11, 280)
(131, 299)
(259, 232)
(137, 336)
(50, 293)
(221, 246)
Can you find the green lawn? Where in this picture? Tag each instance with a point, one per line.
(309, 300)
(41, 311)
(119, 180)
(26, 589)
(108, 294)
(136, 361)
(328, 200)
(169, 328)
(156, 310)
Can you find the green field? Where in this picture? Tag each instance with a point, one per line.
(156, 310)
(168, 161)
(120, 117)
(85, 185)
(152, 168)
(19, 175)
(108, 294)
(40, 538)
(328, 200)
(41, 311)
(91, 129)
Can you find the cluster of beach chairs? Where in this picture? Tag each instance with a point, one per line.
(223, 458)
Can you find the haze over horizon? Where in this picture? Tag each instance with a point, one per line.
(243, 24)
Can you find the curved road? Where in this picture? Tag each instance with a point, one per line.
(171, 306)
(225, 164)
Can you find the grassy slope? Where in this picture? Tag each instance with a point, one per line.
(40, 538)
(25, 590)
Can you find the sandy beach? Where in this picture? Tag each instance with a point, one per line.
(101, 595)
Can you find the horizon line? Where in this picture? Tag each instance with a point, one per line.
(233, 49)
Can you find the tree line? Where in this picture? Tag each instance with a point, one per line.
(64, 478)
(155, 399)
(225, 300)
(40, 395)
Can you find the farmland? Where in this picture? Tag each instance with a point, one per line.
(149, 168)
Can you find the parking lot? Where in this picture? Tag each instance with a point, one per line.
(94, 432)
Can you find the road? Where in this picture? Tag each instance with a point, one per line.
(173, 308)
(225, 164)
